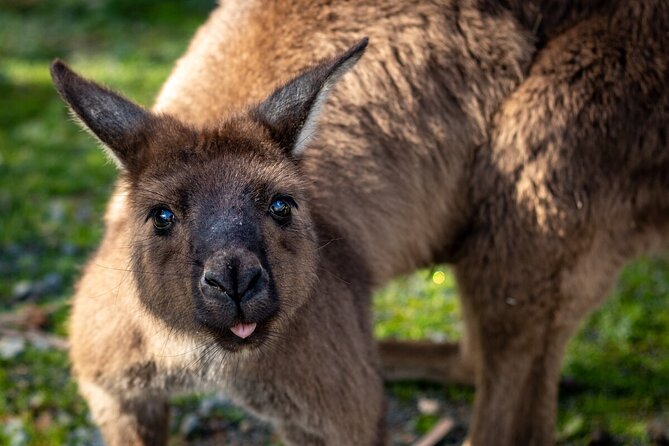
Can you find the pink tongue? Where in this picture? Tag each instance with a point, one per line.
(243, 330)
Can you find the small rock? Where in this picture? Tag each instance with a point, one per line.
(11, 346)
(190, 425)
(15, 432)
(428, 406)
(57, 211)
(40, 343)
(22, 290)
(437, 337)
(37, 400)
(63, 417)
(245, 426)
(25, 290)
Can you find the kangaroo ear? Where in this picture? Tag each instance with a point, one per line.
(117, 122)
(291, 113)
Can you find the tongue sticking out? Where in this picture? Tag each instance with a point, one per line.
(243, 330)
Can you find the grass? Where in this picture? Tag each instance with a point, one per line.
(54, 183)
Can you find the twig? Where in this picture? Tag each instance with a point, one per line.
(438, 432)
(37, 337)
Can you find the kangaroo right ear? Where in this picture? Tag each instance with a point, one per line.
(291, 113)
(117, 122)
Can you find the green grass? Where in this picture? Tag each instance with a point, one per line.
(54, 183)
(41, 399)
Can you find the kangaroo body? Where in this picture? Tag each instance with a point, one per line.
(212, 273)
(523, 142)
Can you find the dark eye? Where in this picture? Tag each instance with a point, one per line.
(163, 218)
(280, 209)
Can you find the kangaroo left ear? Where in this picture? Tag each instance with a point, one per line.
(116, 121)
(291, 113)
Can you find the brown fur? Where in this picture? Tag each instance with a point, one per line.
(153, 312)
(538, 182)
(525, 142)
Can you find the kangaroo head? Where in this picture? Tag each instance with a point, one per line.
(223, 244)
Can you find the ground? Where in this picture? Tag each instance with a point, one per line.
(53, 187)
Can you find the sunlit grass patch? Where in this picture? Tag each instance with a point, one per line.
(421, 306)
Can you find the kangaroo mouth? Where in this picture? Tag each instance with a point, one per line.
(235, 326)
(243, 335)
(243, 330)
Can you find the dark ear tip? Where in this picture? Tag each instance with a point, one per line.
(360, 46)
(58, 69)
(354, 53)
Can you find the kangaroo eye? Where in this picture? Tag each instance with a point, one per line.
(280, 209)
(163, 218)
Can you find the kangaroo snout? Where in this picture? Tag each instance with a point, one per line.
(236, 275)
(236, 293)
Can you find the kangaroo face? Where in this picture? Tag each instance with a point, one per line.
(222, 243)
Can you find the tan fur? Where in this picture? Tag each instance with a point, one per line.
(526, 148)
(572, 186)
(144, 324)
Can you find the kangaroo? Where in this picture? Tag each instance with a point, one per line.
(212, 273)
(524, 142)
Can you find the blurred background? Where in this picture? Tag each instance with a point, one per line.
(53, 185)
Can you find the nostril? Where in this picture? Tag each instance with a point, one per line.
(253, 277)
(212, 279)
(248, 280)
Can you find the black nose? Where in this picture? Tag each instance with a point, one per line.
(236, 276)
